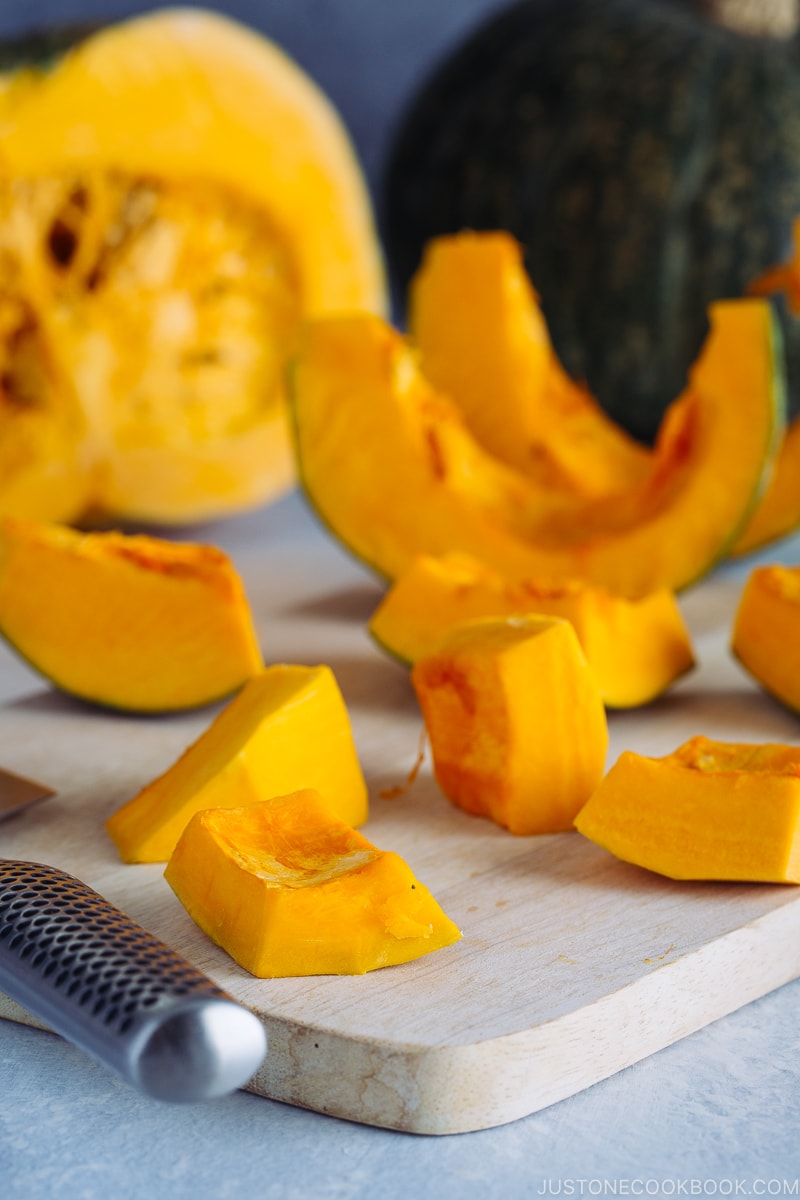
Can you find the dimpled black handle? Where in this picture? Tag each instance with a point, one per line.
(97, 977)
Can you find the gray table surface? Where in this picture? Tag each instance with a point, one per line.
(715, 1114)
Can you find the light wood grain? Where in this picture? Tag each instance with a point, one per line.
(572, 965)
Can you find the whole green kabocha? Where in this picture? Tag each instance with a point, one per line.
(646, 154)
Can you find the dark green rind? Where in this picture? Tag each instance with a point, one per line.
(400, 659)
(41, 49)
(648, 161)
(778, 426)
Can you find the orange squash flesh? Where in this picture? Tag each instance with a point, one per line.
(482, 339)
(288, 889)
(516, 723)
(711, 810)
(175, 193)
(130, 622)
(766, 631)
(636, 649)
(369, 429)
(287, 729)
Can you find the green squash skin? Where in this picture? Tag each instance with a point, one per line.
(647, 160)
(41, 49)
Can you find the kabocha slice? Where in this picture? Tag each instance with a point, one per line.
(710, 810)
(636, 648)
(766, 631)
(778, 511)
(287, 729)
(288, 888)
(130, 622)
(369, 427)
(175, 194)
(482, 339)
(515, 720)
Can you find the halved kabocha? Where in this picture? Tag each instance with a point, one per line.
(710, 810)
(635, 648)
(288, 888)
(766, 631)
(515, 720)
(175, 194)
(288, 729)
(392, 468)
(130, 622)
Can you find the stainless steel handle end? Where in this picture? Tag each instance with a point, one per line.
(98, 978)
(198, 1051)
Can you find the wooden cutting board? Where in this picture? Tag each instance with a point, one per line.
(572, 965)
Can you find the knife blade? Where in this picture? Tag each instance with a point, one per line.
(17, 793)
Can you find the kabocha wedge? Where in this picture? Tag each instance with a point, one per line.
(482, 340)
(710, 810)
(369, 428)
(635, 648)
(129, 622)
(766, 631)
(777, 513)
(286, 730)
(287, 888)
(515, 720)
(175, 194)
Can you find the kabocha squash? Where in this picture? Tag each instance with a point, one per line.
(369, 428)
(134, 623)
(515, 720)
(286, 730)
(635, 649)
(287, 888)
(710, 810)
(482, 340)
(175, 194)
(645, 153)
(766, 631)
(778, 512)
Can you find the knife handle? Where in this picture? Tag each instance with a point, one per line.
(95, 976)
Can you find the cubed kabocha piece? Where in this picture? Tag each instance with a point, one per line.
(636, 648)
(128, 622)
(287, 729)
(515, 719)
(287, 888)
(711, 810)
(766, 631)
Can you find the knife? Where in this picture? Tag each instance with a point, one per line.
(102, 981)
